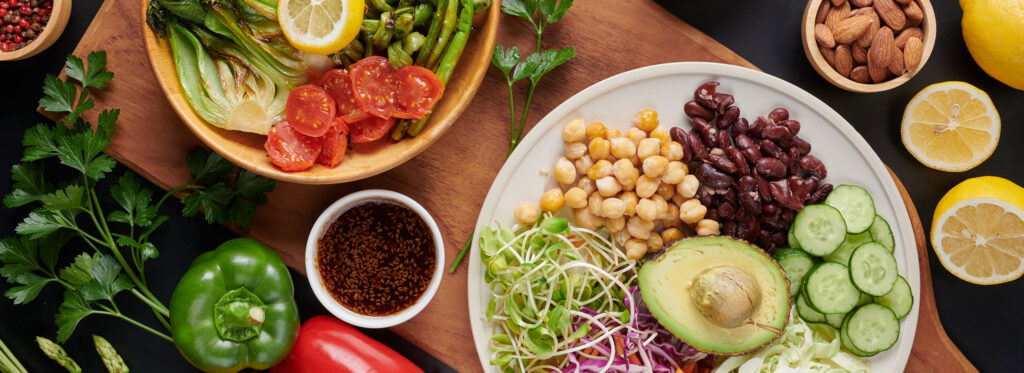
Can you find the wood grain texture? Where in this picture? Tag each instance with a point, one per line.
(451, 178)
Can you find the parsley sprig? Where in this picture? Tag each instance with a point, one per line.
(112, 248)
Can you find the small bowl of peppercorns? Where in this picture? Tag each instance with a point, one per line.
(28, 27)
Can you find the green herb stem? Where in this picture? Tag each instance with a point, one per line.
(8, 361)
(136, 323)
(462, 254)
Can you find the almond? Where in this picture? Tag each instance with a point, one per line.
(861, 3)
(860, 12)
(904, 1)
(865, 39)
(824, 36)
(829, 54)
(836, 14)
(848, 30)
(878, 73)
(844, 60)
(896, 66)
(881, 48)
(912, 53)
(860, 74)
(860, 54)
(838, 2)
(822, 12)
(910, 32)
(914, 13)
(891, 14)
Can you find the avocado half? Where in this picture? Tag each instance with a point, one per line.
(720, 295)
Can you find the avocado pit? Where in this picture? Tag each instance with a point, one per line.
(726, 295)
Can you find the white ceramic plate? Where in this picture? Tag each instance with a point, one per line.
(666, 88)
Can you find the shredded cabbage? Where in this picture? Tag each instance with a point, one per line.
(802, 347)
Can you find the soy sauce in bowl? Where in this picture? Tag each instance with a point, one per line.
(377, 258)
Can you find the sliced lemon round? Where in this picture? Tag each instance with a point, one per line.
(320, 26)
(950, 126)
(978, 230)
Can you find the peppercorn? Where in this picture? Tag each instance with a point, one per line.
(10, 17)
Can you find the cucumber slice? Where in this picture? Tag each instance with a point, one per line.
(829, 289)
(865, 299)
(835, 319)
(855, 204)
(806, 312)
(791, 239)
(881, 233)
(842, 254)
(819, 229)
(872, 328)
(873, 269)
(900, 299)
(795, 263)
(844, 340)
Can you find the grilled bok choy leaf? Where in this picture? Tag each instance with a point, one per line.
(232, 60)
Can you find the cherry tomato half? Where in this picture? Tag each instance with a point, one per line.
(418, 90)
(374, 85)
(335, 144)
(290, 150)
(370, 129)
(310, 110)
(338, 84)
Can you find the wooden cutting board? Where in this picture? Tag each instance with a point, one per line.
(452, 177)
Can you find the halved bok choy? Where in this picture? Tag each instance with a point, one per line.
(232, 61)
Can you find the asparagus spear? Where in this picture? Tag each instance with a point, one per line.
(113, 361)
(447, 27)
(451, 57)
(432, 34)
(57, 353)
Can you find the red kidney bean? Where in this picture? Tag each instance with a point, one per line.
(794, 156)
(705, 94)
(763, 189)
(744, 142)
(769, 149)
(727, 209)
(819, 195)
(723, 140)
(774, 223)
(728, 228)
(722, 102)
(782, 193)
(730, 196)
(703, 196)
(792, 125)
(729, 117)
(748, 226)
(764, 240)
(787, 216)
(802, 188)
(712, 215)
(770, 208)
(814, 166)
(722, 162)
(752, 155)
(756, 126)
(775, 132)
(699, 150)
(749, 199)
(696, 110)
(707, 132)
(778, 239)
(779, 114)
(737, 158)
(802, 145)
(709, 176)
(770, 168)
(740, 127)
(684, 141)
(677, 134)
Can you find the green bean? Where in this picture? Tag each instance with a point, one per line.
(413, 42)
(399, 131)
(382, 38)
(447, 27)
(403, 25)
(481, 5)
(369, 25)
(381, 5)
(422, 14)
(397, 56)
(458, 43)
(435, 29)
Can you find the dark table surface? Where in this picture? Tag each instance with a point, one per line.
(983, 321)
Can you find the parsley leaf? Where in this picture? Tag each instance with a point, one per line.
(208, 167)
(39, 142)
(96, 76)
(40, 223)
(28, 183)
(520, 8)
(60, 95)
(107, 280)
(74, 308)
(68, 198)
(527, 68)
(505, 60)
(553, 12)
(253, 187)
(31, 285)
(146, 249)
(549, 60)
(79, 271)
(134, 200)
(21, 259)
(82, 148)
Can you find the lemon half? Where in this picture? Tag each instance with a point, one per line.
(950, 126)
(320, 26)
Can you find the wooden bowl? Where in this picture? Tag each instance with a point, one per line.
(51, 32)
(832, 76)
(364, 160)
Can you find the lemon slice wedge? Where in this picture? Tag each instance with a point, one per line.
(950, 126)
(320, 26)
(978, 230)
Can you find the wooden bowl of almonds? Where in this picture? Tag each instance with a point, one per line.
(868, 45)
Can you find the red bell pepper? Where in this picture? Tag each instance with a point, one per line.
(328, 345)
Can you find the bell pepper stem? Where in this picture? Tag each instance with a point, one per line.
(244, 314)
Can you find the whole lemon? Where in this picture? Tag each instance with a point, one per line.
(994, 34)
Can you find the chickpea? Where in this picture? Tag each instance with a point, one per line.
(600, 148)
(635, 249)
(655, 243)
(612, 133)
(600, 169)
(660, 204)
(655, 165)
(564, 171)
(608, 186)
(630, 187)
(647, 210)
(688, 187)
(573, 131)
(587, 220)
(576, 198)
(631, 200)
(596, 130)
(674, 173)
(672, 150)
(615, 225)
(646, 186)
(575, 150)
(639, 228)
(635, 135)
(661, 133)
(692, 211)
(594, 204)
(587, 184)
(707, 227)
(526, 213)
(624, 171)
(613, 208)
(623, 147)
(666, 191)
(671, 234)
(620, 237)
(552, 200)
(671, 216)
(646, 120)
(648, 147)
(678, 199)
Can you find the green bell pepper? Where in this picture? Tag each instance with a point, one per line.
(234, 308)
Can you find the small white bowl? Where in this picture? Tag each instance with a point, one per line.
(313, 274)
